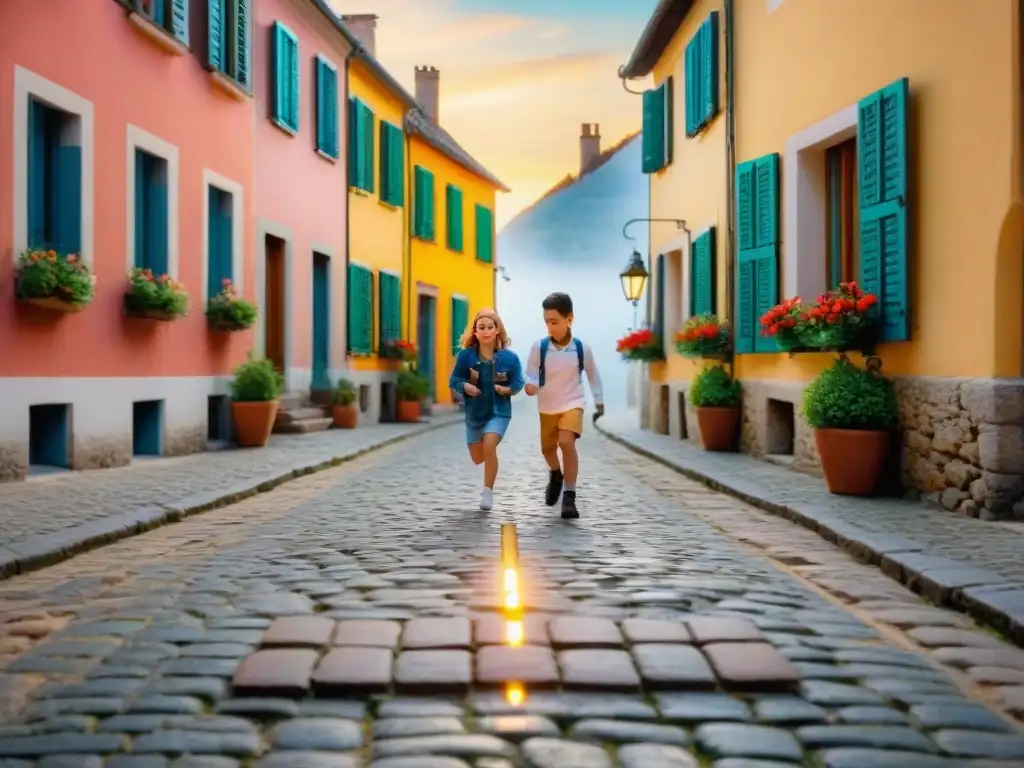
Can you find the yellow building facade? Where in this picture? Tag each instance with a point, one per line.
(888, 154)
(378, 239)
(454, 257)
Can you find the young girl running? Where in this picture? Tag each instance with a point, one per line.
(488, 374)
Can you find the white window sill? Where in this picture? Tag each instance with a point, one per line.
(159, 37)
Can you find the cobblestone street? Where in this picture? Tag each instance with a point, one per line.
(351, 619)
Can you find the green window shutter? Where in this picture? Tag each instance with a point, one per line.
(390, 308)
(68, 196)
(179, 21)
(460, 319)
(691, 66)
(418, 226)
(215, 34)
(351, 140)
(366, 340)
(384, 137)
(669, 87)
(757, 227)
(702, 273)
(396, 165)
(367, 123)
(37, 175)
(141, 175)
(360, 310)
(882, 180)
(709, 68)
(326, 108)
(243, 49)
(429, 205)
(423, 205)
(484, 235)
(156, 211)
(354, 316)
(653, 139)
(282, 37)
(453, 205)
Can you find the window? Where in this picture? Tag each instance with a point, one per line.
(453, 210)
(220, 239)
(701, 67)
(360, 145)
(841, 221)
(360, 310)
(169, 15)
(657, 127)
(326, 108)
(757, 239)
(703, 261)
(389, 289)
(392, 164)
(151, 213)
(484, 235)
(229, 42)
(460, 319)
(286, 78)
(54, 178)
(423, 205)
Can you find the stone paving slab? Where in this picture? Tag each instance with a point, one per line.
(957, 561)
(45, 520)
(128, 655)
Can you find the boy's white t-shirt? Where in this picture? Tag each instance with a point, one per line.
(563, 385)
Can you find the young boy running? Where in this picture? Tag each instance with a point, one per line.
(554, 372)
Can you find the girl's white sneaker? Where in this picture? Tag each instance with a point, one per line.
(486, 499)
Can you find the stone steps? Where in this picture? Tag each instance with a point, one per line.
(296, 415)
(303, 426)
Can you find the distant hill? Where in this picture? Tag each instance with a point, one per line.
(571, 240)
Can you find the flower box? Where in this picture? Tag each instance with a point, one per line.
(154, 297)
(228, 312)
(841, 320)
(705, 337)
(56, 305)
(642, 345)
(53, 281)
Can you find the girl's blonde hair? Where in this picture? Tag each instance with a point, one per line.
(469, 335)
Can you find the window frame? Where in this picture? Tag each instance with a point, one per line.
(138, 139)
(236, 190)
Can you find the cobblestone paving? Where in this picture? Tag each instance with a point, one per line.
(351, 619)
(42, 514)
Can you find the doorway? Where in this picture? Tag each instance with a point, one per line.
(274, 301)
(426, 327)
(321, 322)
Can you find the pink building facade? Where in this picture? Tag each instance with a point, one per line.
(146, 117)
(301, 190)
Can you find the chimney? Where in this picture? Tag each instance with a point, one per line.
(428, 84)
(590, 145)
(363, 27)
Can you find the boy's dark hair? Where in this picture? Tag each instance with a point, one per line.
(560, 302)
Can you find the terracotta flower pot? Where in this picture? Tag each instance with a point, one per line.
(852, 459)
(253, 422)
(408, 412)
(345, 416)
(718, 427)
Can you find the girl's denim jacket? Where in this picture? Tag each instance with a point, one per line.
(504, 369)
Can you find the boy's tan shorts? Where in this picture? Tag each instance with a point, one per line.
(552, 423)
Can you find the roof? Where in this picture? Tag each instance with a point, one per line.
(658, 33)
(416, 118)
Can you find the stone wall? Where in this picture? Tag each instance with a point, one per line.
(962, 445)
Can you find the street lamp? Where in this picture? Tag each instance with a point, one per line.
(633, 278)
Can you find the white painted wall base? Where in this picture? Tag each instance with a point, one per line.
(101, 408)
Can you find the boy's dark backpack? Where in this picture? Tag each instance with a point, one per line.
(544, 353)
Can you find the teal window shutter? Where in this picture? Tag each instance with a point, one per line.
(213, 276)
(327, 108)
(709, 69)
(354, 317)
(366, 139)
(453, 207)
(227, 236)
(484, 235)
(366, 340)
(384, 137)
(669, 87)
(429, 201)
(390, 307)
(417, 202)
(157, 216)
(215, 34)
(396, 165)
(37, 150)
(286, 78)
(352, 139)
(423, 205)
(243, 49)
(702, 273)
(141, 259)
(691, 66)
(757, 227)
(882, 179)
(179, 20)
(68, 194)
(834, 180)
(360, 310)
(653, 138)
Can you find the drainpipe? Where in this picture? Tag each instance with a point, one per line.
(348, 208)
(406, 235)
(730, 174)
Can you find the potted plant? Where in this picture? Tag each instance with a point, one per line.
(643, 344)
(54, 281)
(703, 336)
(154, 298)
(411, 389)
(254, 392)
(343, 408)
(227, 311)
(853, 412)
(398, 350)
(716, 397)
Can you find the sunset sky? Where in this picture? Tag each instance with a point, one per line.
(518, 77)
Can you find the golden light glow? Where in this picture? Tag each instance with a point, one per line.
(515, 694)
(511, 600)
(511, 580)
(514, 633)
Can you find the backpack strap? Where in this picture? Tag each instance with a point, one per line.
(544, 344)
(579, 353)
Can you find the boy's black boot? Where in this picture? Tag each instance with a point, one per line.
(569, 510)
(554, 487)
